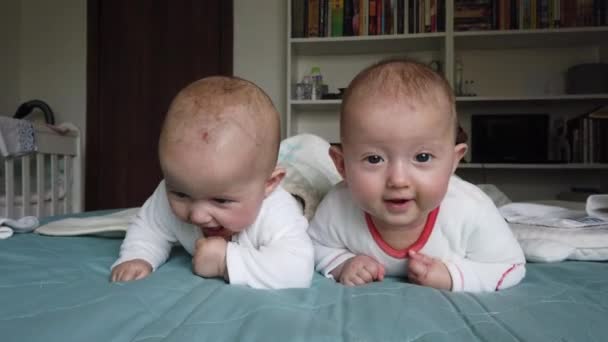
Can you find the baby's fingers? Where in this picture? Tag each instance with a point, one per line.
(353, 280)
(416, 269)
(376, 271)
(381, 271)
(420, 258)
(140, 274)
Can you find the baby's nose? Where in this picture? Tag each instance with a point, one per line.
(398, 177)
(200, 216)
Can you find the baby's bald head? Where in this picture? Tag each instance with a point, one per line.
(223, 114)
(399, 80)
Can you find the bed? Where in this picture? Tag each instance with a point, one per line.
(46, 181)
(56, 288)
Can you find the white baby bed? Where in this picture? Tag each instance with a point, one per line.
(48, 182)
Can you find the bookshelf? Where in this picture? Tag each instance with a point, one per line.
(514, 71)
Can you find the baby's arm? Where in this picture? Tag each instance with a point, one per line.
(286, 262)
(332, 257)
(331, 253)
(147, 243)
(493, 259)
(283, 257)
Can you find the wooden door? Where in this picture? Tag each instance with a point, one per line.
(140, 53)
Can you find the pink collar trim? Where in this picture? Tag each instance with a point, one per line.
(416, 246)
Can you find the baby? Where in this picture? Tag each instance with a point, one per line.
(220, 197)
(399, 210)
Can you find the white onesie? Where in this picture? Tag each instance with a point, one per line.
(466, 232)
(273, 252)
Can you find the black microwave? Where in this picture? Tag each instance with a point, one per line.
(509, 138)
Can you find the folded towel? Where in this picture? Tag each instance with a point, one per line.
(17, 137)
(310, 170)
(114, 224)
(597, 206)
(25, 224)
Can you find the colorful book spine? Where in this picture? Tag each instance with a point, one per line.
(337, 18)
(313, 18)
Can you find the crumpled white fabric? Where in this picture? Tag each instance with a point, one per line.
(310, 170)
(597, 206)
(25, 224)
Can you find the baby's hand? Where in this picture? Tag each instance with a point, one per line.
(426, 271)
(359, 270)
(209, 258)
(131, 270)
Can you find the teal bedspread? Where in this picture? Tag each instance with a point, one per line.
(57, 289)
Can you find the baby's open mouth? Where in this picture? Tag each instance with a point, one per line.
(213, 231)
(397, 204)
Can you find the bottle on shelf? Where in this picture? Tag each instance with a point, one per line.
(458, 84)
(317, 83)
(304, 90)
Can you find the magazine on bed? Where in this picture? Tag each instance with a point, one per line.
(595, 214)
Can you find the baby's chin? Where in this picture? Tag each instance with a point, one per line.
(403, 220)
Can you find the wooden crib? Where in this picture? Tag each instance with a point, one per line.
(48, 182)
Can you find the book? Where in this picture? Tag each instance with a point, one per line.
(373, 20)
(337, 18)
(313, 18)
(349, 7)
(298, 13)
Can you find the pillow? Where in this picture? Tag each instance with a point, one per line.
(539, 250)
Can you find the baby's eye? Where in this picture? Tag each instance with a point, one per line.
(179, 194)
(423, 157)
(375, 159)
(222, 200)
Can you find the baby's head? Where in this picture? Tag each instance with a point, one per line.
(398, 128)
(399, 82)
(218, 152)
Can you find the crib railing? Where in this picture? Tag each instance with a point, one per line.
(47, 182)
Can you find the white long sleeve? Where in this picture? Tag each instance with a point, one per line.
(469, 236)
(149, 236)
(273, 252)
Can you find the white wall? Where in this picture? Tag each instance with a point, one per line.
(53, 57)
(9, 56)
(43, 45)
(260, 46)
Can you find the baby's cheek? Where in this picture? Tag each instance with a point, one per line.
(240, 220)
(180, 211)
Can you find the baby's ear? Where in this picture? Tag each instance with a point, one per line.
(274, 180)
(459, 151)
(336, 154)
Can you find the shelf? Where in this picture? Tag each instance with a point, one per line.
(552, 98)
(547, 38)
(465, 100)
(367, 44)
(316, 105)
(565, 166)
